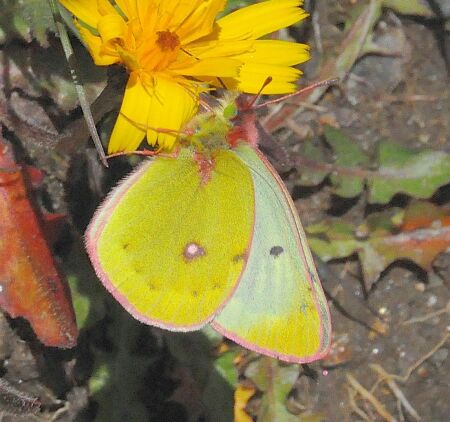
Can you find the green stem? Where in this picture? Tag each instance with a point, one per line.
(72, 62)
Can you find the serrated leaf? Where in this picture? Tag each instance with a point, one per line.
(422, 232)
(332, 239)
(402, 170)
(348, 154)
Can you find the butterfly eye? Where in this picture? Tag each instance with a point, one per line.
(230, 111)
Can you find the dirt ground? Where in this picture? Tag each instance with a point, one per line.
(400, 326)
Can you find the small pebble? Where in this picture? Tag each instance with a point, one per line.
(422, 372)
(420, 287)
(431, 301)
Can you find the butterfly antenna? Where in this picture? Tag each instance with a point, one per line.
(144, 128)
(222, 83)
(251, 104)
(327, 82)
(145, 153)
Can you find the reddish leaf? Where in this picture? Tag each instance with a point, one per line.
(425, 233)
(30, 284)
(422, 215)
(419, 234)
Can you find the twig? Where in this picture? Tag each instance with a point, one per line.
(60, 411)
(396, 390)
(317, 34)
(445, 310)
(412, 368)
(408, 98)
(381, 410)
(81, 93)
(400, 411)
(354, 406)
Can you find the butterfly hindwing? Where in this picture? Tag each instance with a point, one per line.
(169, 243)
(279, 308)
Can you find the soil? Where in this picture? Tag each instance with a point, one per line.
(402, 323)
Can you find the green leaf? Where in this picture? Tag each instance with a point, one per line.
(403, 170)
(275, 381)
(400, 169)
(419, 233)
(88, 295)
(348, 154)
(314, 154)
(224, 365)
(332, 239)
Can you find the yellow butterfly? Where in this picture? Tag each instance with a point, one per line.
(212, 236)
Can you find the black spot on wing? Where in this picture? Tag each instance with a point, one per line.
(276, 251)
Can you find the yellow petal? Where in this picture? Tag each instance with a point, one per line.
(281, 53)
(200, 21)
(101, 56)
(129, 7)
(105, 7)
(220, 67)
(173, 13)
(112, 27)
(129, 129)
(253, 75)
(84, 10)
(209, 49)
(147, 16)
(259, 19)
(171, 107)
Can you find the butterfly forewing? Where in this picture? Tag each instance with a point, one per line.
(170, 242)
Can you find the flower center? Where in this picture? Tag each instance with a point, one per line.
(167, 41)
(166, 46)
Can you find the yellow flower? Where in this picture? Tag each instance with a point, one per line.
(176, 49)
